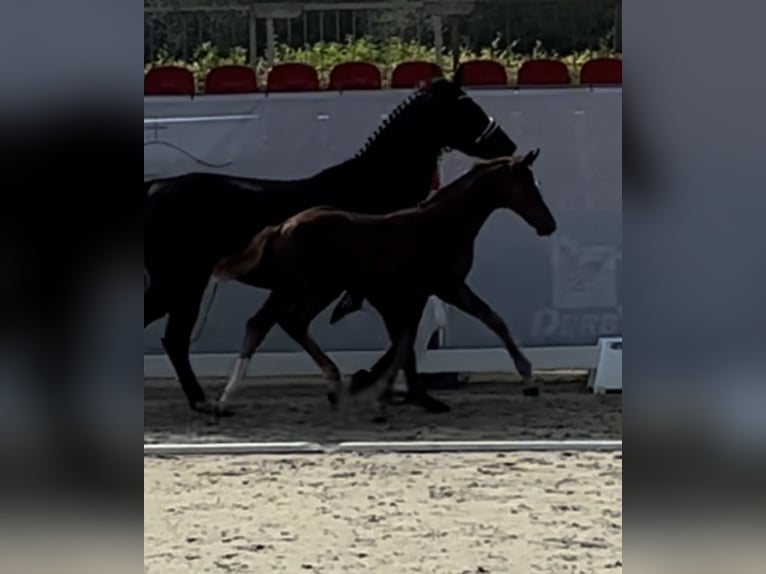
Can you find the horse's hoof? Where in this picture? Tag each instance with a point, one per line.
(380, 420)
(215, 409)
(436, 407)
(429, 404)
(524, 367)
(394, 398)
(359, 381)
(531, 392)
(332, 398)
(204, 407)
(223, 412)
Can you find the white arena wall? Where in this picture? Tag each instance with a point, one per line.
(559, 295)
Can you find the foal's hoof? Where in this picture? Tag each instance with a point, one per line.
(531, 391)
(380, 419)
(332, 398)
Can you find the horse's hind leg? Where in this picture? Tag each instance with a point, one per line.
(155, 306)
(417, 393)
(256, 329)
(182, 317)
(467, 301)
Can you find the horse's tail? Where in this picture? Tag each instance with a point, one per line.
(234, 266)
(150, 187)
(349, 303)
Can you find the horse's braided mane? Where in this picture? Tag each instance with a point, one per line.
(395, 113)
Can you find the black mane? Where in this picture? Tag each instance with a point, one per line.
(395, 113)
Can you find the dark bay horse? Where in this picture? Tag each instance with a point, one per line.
(397, 260)
(193, 220)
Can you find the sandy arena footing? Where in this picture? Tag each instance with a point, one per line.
(514, 513)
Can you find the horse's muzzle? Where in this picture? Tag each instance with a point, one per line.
(546, 230)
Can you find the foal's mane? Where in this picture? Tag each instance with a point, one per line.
(480, 168)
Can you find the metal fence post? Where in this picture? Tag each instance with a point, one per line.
(252, 37)
(436, 21)
(270, 41)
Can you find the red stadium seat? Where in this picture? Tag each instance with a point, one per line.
(292, 77)
(543, 72)
(355, 76)
(482, 73)
(412, 74)
(602, 71)
(231, 80)
(169, 81)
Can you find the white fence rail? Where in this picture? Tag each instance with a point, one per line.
(420, 447)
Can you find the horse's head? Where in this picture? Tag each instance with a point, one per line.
(519, 191)
(463, 125)
(434, 118)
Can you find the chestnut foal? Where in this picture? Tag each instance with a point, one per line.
(397, 260)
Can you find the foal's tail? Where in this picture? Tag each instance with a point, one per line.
(234, 266)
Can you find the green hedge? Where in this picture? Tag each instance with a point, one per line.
(385, 54)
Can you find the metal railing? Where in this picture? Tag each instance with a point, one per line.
(180, 26)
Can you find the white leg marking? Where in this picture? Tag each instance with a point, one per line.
(240, 369)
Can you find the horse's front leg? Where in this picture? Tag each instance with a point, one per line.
(462, 297)
(402, 323)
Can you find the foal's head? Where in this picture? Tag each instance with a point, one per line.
(519, 191)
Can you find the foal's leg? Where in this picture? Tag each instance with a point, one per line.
(462, 297)
(295, 322)
(402, 346)
(402, 324)
(258, 326)
(416, 393)
(416, 390)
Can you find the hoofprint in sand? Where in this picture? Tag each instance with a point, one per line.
(517, 513)
(387, 513)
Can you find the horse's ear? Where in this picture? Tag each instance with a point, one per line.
(436, 83)
(530, 158)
